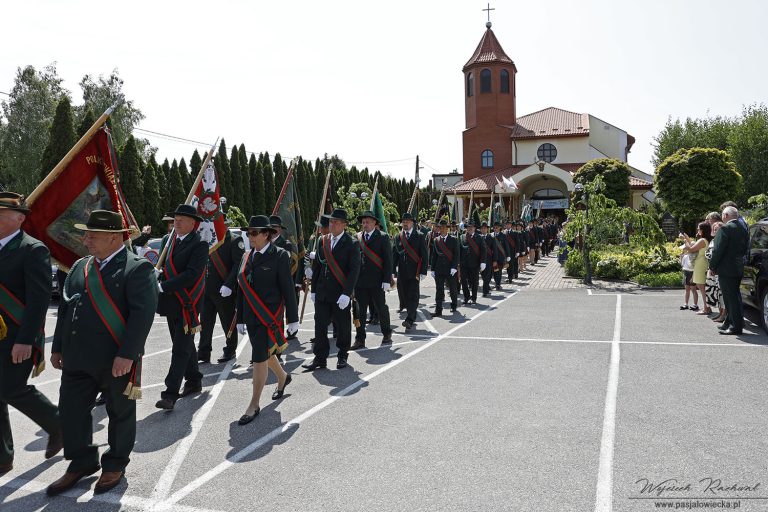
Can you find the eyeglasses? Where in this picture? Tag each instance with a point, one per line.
(254, 232)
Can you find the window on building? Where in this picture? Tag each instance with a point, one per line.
(485, 80)
(487, 159)
(548, 193)
(547, 152)
(504, 81)
(470, 85)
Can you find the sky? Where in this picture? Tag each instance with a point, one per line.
(380, 82)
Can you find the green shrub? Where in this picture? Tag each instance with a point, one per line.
(609, 267)
(574, 264)
(666, 279)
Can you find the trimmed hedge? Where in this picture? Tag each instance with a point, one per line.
(653, 267)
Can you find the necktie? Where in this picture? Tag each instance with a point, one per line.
(333, 243)
(367, 237)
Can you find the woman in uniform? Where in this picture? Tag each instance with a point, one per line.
(265, 293)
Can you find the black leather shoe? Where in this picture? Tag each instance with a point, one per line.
(203, 358)
(314, 365)
(437, 314)
(165, 403)
(191, 388)
(731, 332)
(247, 418)
(408, 324)
(4, 468)
(341, 362)
(278, 394)
(69, 480)
(225, 357)
(387, 339)
(55, 444)
(357, 345)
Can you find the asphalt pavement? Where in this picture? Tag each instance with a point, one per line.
(534, 399)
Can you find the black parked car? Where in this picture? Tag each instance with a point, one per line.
(754, 284)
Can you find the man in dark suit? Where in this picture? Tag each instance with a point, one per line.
(473, 261)
(444, 262)
(492, 255)
(409, 262)
(509, 235)
(504, 250)
(181, 286)
(335, 271)
(25, 291)
(220, 283)
(105, 315)
(375, 277)
(727, 262)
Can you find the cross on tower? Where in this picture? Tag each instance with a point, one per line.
(489, 9)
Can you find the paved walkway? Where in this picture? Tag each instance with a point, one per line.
(547, 273)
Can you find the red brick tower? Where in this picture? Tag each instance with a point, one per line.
(489, 106)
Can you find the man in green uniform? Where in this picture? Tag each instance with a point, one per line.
(106, 312)
(473, 261)
(25, 291)
(444, 262)
(409, 263)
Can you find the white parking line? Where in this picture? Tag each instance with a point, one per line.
(604, 495)
(240, 455)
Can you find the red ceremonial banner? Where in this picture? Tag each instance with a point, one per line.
(207, 200)
(89, 182)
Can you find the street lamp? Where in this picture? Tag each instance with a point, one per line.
(587, 265)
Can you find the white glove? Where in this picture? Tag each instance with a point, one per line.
(312, 296)
(241, 328)
(508, 258)
(432, 274)
(482, 267)
(312, 255)
(159, 287)
(225, 291)
(385, 287)
(343, 302)
(453, 272)
(293, 328)
(308, 272)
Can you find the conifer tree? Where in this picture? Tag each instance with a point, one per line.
(245, 182)
(131, 180)
(176, 186)
(222, 172)
(186, 179)
(237, 179)
(257, 186)
(86, 122)
(269, 185)
(153, 209)
(61, 137)
(195, 163)
(278, 168)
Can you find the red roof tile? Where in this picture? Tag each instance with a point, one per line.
(551, 122)
(489, 50)
(635, 182)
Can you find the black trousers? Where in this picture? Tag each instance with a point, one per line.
(183, 359)
(15, 391)
(214, 303)
(453, 290)
(470, 278)
(512, 269)
(78, 392)
(729, 286)
(487, 276)
(410, 295)
(325, 313)
(497, 277)
(376, 298)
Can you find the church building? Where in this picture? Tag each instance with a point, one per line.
(540, 152)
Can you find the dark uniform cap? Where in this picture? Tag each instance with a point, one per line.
(275, 221)
(261, 222)
(339, 214)
(323, 221)
(443, 222)
(104, 221)
(406, 216)
(187, 210)
(366, 213)
(13, 201)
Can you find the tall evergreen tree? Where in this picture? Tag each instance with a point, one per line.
(162, 183)
(257, 186)
(237, 179)
(245, 182)
(278, 168)
(86, 121)
(176, 186)
(269, 185)
(61, 137)
(186, 178)
(222, 172)
(131, 180)
(153, 207)
(195, 163)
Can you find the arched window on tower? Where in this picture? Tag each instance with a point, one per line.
(470, 85)
(487, 159)
(485, 80)
(504, 81)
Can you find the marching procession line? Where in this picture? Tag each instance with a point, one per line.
(165, 481)
(604, 495)
(230, 461)
(35, 486)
